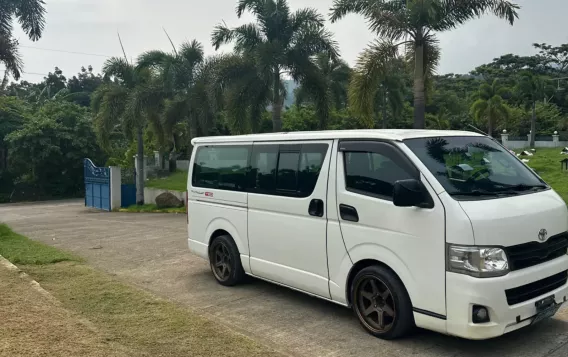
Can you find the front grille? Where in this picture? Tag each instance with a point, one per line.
(533, 253)
(536, 289)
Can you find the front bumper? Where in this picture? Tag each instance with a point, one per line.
(465, 291)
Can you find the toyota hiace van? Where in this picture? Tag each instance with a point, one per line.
(443, 230)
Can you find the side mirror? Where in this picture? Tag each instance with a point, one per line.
(411, 193)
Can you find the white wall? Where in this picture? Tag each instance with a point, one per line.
(521, 144)
(182, 165)
(537, 144)
(150, 195)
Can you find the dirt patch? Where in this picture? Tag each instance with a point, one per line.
(32, 325)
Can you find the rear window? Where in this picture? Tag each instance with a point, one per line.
(221, 167)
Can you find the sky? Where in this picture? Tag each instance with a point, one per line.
(91, 26)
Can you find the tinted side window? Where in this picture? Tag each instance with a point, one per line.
(286, 170)
(373, 174)
(311, 159)
(263, 168)
(221, 167)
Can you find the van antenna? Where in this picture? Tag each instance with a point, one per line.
(478, 130)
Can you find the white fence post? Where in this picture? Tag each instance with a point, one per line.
(115, 187)
(505, 139)
(555, 139)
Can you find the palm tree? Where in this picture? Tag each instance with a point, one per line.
(279, 42)
(438, 121)
(533, 88)
(128, 100)
(490, 106)
(30, 15)
(190, 84)
(415, 23)
(325, 86)
(247, 91)
(376, 83)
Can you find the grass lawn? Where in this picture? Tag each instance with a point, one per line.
(176, 182)
(136, 321)
(546, 163)
(33, 325)
(152, 208)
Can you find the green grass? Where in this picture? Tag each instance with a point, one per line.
(125, 315)
(546, 163)
(152, 208)
(21, 250)
(175, 182)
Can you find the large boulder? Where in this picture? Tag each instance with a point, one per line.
(168, 200)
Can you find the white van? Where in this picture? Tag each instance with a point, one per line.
(443, 230)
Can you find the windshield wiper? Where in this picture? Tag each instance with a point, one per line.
(475, 193)
(524, 187)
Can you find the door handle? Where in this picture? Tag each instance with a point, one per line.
(316, 208)
(348, 213)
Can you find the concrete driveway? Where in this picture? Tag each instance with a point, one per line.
(150, 251)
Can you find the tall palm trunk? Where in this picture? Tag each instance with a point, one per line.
(385, 109)
(276, 103)
(490, 126)
(140, 166)
(533, 124)
(419, 95)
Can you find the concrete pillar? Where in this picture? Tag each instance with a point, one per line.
(529, 140)
(555, 139)
(159, 160)
(115, 188)
(505, 139)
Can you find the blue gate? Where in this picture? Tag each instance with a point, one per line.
(128, 187)
(97, 186)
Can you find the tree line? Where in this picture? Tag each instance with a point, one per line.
(163, 99)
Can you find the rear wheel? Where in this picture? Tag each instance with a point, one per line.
(225, 261)
(381, 303)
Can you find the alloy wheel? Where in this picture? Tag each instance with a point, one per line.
(222, 262)
(375, 304)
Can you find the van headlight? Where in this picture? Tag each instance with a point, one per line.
(480, 262)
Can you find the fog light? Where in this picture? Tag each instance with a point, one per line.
(480, 314)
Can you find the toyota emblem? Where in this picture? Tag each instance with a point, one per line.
(542, 235)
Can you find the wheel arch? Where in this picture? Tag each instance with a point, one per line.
(362, 264)
(221, 226)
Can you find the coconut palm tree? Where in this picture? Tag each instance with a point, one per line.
(415, 23)
(438, 121)
(533, 88)
(189, 81)
(377, 83)
(247, 91)
(128, 100)
(31, 16)
(279, 42)
(325, 86)
(490, 106)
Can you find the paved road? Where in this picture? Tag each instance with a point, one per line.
(150, 251)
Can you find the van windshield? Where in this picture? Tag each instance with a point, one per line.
(471, 167)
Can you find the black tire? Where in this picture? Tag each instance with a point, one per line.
(225, 261)
(383, 303)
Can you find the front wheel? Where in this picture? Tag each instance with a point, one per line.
(381, 303)
(225, 261)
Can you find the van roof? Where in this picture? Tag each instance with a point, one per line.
(385, 134)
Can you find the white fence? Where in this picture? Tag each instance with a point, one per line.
(182, 165)
(521, 144)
